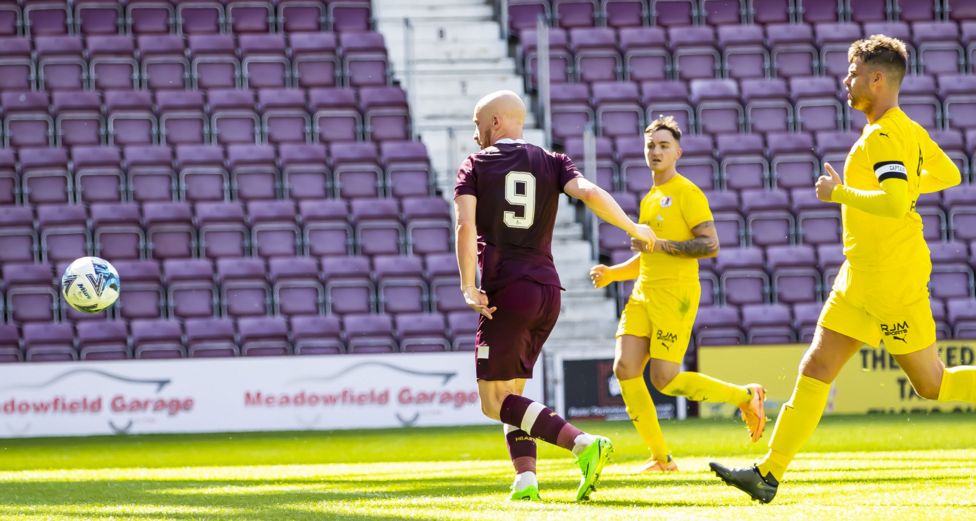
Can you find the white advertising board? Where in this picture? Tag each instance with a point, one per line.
(242, 394)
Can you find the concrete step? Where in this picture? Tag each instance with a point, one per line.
(381, 4)
(424, 11)
(479, 66)
(597, 329)
(471, 86)
(568, 231)
(454, 32)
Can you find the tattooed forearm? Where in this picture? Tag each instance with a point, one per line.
(695, 248)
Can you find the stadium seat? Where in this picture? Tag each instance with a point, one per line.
(645, 54)
(939, 51)
(694, 56)
(295, 285)
(304, 172)
(370, 333)
(112, 63)
(795, 277)
(408, 169)
(182, 120)
(400, 284)
(103, 340)
(49, 342)
(445, 283)
(18, 240)
(767, 324)
(743, 165)
(232, 117)
(169, 230)
(129, 118)
(190, 289)
(199, 17)
(274, 228)
(202, 176)
(163, 63)
(301, 16)
(144, 296)
(149, 17)
(768, 218)
(249, 17)
(264, 61)
(595, 53)
(244, 289)
(667, 13)
(63, 231)
(117, 231)
(378, 227)
(718, 325)
(364, 60)
(97, 176)
(60, 62)
(10, 351)
(326, 230)
(26, 122)
(618, 109)
(149, 173)
(221, 229)
(316, 335)
(792, 50)
(385, 113)
(428, 225)
(213, 61)
(357, 173)
(462, 326)
(210, 338)
(10, 191)
(575, 13)
(793, 166)
(336, 115)
(422, 332)
(263, 336)
(30, 294)
(805, 316)
(742, 277)
(315, 59)
(834, 40)
(283, 116)
(78, 118)
(348, 285)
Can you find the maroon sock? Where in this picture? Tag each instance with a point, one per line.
(539, 421)
(521, 448)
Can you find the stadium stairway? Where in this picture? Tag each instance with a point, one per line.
(458, 56)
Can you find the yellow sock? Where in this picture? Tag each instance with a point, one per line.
(958, 384)
(643, 414)
(704, 388)
(797, 420)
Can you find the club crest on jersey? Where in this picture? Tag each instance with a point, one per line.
(666, 201)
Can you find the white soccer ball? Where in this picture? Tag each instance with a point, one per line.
(90, 284)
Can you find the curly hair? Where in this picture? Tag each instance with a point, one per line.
(664, 123)
(881, 51)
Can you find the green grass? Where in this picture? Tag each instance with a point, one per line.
(892, 467)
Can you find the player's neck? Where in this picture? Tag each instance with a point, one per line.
(664, 176)
(876, 111)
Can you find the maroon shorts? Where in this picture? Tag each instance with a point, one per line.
(509, 344)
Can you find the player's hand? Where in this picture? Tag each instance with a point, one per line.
(477, 300)
(643, 232)
(827, 183)
(600, 275)
(638, 246)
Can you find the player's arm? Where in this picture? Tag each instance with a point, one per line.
(466, 241)
(703, 246)
(938, 170)
(606, 208)
(603, 275)
(891, 201)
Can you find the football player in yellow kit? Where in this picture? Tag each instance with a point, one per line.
(881, 293)
(655, 326)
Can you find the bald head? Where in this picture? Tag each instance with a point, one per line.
(498, 115)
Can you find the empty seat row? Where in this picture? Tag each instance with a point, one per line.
(183, 17)
(205, 62)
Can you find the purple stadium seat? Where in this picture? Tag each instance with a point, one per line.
(111, 62)
(357, 173)
(42, 18)
(795, 275)
(429, 229)
(767, 105)
(163, 62)
(250, 17)
(644, 52)
(668, 98)
(742, 163)
(103, 340)
(16, 66)
(794, 164)
(909, 10)
(407, 168)
(710, 288)
(182, 119)
(254, 174)
(695, 57)
(817, 105)
(935, 223)
(957, 91)
(960, 10)
(296, 288)
(9, 185)
(624, 13)
(595, 51)
(445, 283)
(263, 336)
(961, 202)
(721, 12)
(316, 335)
(350, 15)
(378, 227)
(385, 113)
(364, 60)
(816, 227)
(575, 13)
(612, 239)
(326, 230)
(301, 16)
(244, 290)
(44, 175)
(49, 342)
(792, 50)
(669, 13)
(150, 175)
(10, 19)
(274, 228)
(820, 11)
(190, 290)
(98, 176)
(919, 101)
(335, 114)
(370, 333)
(718, 325)
(210, 337)
(18, 241)
(961, 313)
(939, 50)
(60, 62)
(283, 116)
(805, 316)
(10, 344)
(869, 10)
(348, 286)
(833, 146)
(150, 17)
(742, 277)
(304, 173)
(169, 230)
(232, 116)
(523, 14)
(157, 338)
(697, 163)
(571, 112)
(560, 59)
(25, 119)
(743, 52)
(214, 63)
(462, 326)
(64, 235)
(606, 168)
(900, 30)
(400, 284)
(767, 324)
(199, 17)
(202, 176)
(422, 332)
(315, 60)
(144, 295)
(221, 229)
(768, 218)
(129, 117)
(78, 119)
(618, 109)
(116, 231)
(833, 40)
(952, 143)
(264, 63)
(31, 296)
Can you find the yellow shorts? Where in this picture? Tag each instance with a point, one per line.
(875, 309)
(665, 316)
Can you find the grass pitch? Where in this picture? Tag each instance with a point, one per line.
(894, 467)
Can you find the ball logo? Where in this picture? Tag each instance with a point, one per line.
(666, 202)
(101, 279)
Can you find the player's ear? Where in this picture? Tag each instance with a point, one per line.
(677, 152)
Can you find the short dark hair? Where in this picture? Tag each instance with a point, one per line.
(881, 51)
(664, 123)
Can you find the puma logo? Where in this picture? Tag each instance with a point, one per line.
(899, 338)
(883, 134)
(666, 346)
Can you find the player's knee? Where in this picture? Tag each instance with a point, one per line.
(928, 390)
(660, 380)
(625, 370)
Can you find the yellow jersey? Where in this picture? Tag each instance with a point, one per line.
(894, 146)
(671, 210)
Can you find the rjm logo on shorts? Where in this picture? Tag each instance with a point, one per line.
(897, 331)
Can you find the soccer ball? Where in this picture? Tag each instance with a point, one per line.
(90, 284)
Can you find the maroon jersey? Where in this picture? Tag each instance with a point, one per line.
(517, 186)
